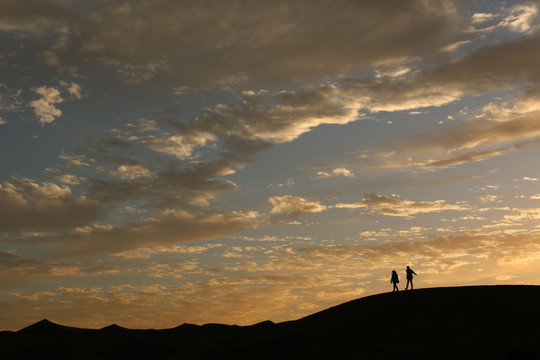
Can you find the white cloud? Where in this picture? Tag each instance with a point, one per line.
(69, 179)
(335, 172)
(293, 206)
(177, 145)
(489, 199)
(479, 18)
(132, 171)
(44, 107)
(455, 46)
(521, 18)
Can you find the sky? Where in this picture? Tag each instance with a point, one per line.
(167, 162)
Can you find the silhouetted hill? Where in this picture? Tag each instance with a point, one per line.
(477, 322)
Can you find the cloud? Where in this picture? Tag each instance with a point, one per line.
(138, 74)
(336, 172)
(69, 179)
(27, 206)
(73, 89)
(176, 145)
(513, 120)
(481, 246)
(132, 171)
(305, 279)
(170, 227)
(291, 207)
(265, 41)
(455, 46)
(277, 118)
(34, 16)
(394, 205)
(473, 156)
(142, 125)
(520, 18)
(443, 181)
(452, 79)
(497, 129)
(16, 270)
(188, 45)
(10, 100)
(44, 107)
(230, 135)
(489, 199)
(144, 253)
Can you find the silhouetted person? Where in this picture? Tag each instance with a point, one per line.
(394, 280)
(410, 273)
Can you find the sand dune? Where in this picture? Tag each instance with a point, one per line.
(492, 322)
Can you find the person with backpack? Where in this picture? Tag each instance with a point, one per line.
(394, 280)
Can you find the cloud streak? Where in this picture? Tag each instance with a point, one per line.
(394, 205)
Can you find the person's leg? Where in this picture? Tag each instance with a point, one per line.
(411, 285)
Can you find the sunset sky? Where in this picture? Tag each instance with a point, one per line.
(168, 161)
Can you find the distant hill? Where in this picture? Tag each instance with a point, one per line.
(476, 322)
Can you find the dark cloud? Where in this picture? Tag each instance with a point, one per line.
(26, 206)
(35, 16)
(223, 43)
(16, 270)
(171, 227)
(218, 41)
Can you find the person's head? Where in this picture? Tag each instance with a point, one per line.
(393, 271)
(408, 267)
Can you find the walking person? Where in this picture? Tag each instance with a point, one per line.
(410, 273)
(394, 280)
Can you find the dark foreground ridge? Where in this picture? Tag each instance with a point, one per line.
(476, 322)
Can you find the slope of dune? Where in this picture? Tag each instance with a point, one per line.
(477, 322)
